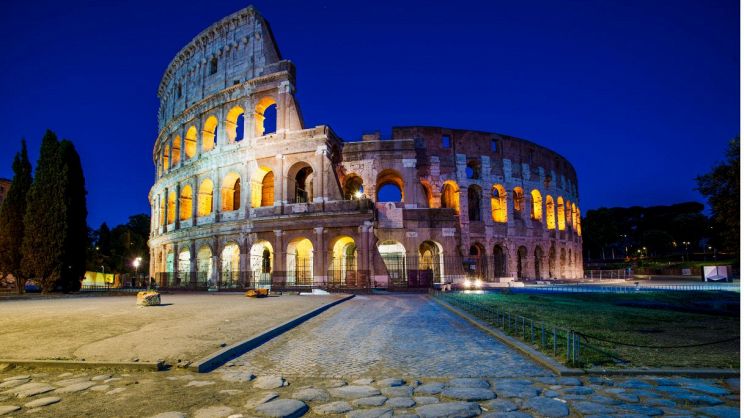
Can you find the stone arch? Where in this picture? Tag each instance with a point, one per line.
(176, 151)
(499, 261)
(390, 177)
(171, 213)
(393, 255)
(551, 262)
(475, 194)
(186, 202)
(343, 259)
(518, 198)
(431, 259)
(234, 121)
(231, 192)
(498, 203)
(260, 115)
(162, 208)
(521, 262)
(473, 170)
(209, 133)
(538, 262)
(451, 196)
(230, 264)
(300, 183)
(549, 212)
(578, 221)
(300, 262)
(184, 267)
(353, 187)
(428, 193)
(189, 142)
(205, 198)
(204, 264)
(562, 265)
(561, 214)
(536, 212)
(166, 158)
(574, 215)
(262, 188)
(261, 263)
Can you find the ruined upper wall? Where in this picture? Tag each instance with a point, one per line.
(235, 49)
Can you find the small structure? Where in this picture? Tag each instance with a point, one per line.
(148, 298)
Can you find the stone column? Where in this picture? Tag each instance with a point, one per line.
(193, 276)
(217, 194)
(280, 261)
(319, 188)
(410, 183)
(319, 257)
(280, 193)
(177, 214)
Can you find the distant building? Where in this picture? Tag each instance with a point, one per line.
(4, 187)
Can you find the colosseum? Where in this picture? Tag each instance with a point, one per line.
(247, 196)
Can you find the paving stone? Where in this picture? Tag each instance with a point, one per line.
(13, 383)
(733, 383)
(708, 389)
(397, 391)
(238, 376)
(721, 411)
(666, 381)
(30, 389)
(354, 392)
(282, 408)
(334, 383)
(592, 408)
(260, 399)
(72, 381)
(636, 384)
(512, 414)
(113, 379)
(100, 388)
(17, 377)
(578, 390)
(371, 413)
(660, 402)
(628, 397)
(468, 383)
(213, 412)
(363, 381)
(643, 393)
(312, 395)
(7, 409)
(75, 387)
(170, 414)
(449, 410)
(501, 405)
(547, 380)
(229, 391)
(516, 391)
(641, 409)
(199, 383)
(700, 400)
(430, 388)
(269, 382)
(468, 394)
(550, 394)
(547, 407)
(369, 401)
(569, 381)
(425, 400)
(603, 399)
(393, 381)
(400, 402)
(100, 377)
(338, 407)
(115, 391)
(597, 380)
(403, 415)
(42, 402)
(66, 374)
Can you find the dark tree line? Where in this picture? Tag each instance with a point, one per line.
(115, 249)
(43, 229)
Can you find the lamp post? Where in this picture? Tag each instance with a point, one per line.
(136, 264)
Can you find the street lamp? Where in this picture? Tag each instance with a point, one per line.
(136, 263)
(686, 243)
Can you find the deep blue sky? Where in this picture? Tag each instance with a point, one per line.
(640, 95)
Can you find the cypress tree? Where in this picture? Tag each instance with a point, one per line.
(12, 213)
(45, 223)
(76, 239)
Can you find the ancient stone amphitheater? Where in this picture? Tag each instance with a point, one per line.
(248, 196)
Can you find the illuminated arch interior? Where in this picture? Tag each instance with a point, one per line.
(549, 212)
(262, 188)
(205, 200)
(231, 192)
(209, 134)
(262, 110)
(451, 196)
(186, 203)
(498, 203)
(234, 124)
(536, 205)
(189, 143)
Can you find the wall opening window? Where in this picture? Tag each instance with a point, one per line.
(231, 192)
(451, 196)
(494, 145)
(473, 170)
(213, 66)
(262, 188)
(265, 116)
(176, 151)
(353, 187)
(521, 260)
(538, 261)
(549, 212)
(518, 197)
(536, 205)
(300, 183)
(204, 202)
(186, 201)
(171, 213)
(446, 141)
(209, 134)
(499, 262)
(166, 158)
(389, 186)
(178, 91)
(561, 214)
(474, 203)
(234, 124)
(498, 203)
(189, 142)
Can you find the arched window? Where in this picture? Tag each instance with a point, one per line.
(499, 261)
(574, 216)
(189, 143)
(184, 267)
(162, 210)
(551, 262)
(521, 260)
(185, 203)
(393, 254)
(498, 203)
(353, 187)
(451, 196)
(209, 134)
(518, 197)
(473, 169)
(176, 151)
(300, 183)
(171, 214)
(206, 193)
(265, 116)
(389, 186)
(234, 124)
(578, 221)
(204, 264)
(536, 205)
(474, 203)
(230, 267)
(213, 66)
(231, 192)
(538, 261)
(261, 264)
(549, 212)
(300, 262)
(343, 262)
(561, 214)
(166, 158)
(431, 260)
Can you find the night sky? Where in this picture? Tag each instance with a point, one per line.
(641, 96)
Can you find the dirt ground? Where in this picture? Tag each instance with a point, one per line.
(108, 328)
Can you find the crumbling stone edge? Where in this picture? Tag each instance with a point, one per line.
(76, 364)
(218, 358)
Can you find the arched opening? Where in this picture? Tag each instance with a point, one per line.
(521, 259)
(169, 262)
(518, 197)
(475, 264)
(265, 116)
(171, 215)
(213, 66)
(353, 187)
(561, 214)
(230, 265)
(166, 158)
(393, 254)
(549, 212)
(474, 203)
(204, 265)
(186, 203)
(390, 186)
(578, 221)
(551, 261)
(184, 268)
(176, 151)
(536, 205)
(234, 125)
(574, 216)
(206, 193)
(499, 262)
(344, 261)
(161, 210)
(189, 142)
(538, 261)
(262, 188)
(473, 170)
(262, 264)
(231, 192)
(451, 196)
(300, 183)
(209, 134)
(431, 262)
(300, 262)
(428, 195)
(498, 203)
(562, 265)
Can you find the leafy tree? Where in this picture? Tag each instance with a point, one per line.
(11, 218)
(721, 187)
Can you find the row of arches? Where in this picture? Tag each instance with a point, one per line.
(178, 149)
(527, 264)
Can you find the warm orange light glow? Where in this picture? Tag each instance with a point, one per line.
(536, 205)
(176, 151)
(518, 197)
(549, 212)
(259, 117)
(209, 134)
(231, 192)
(186, 203)
(498, 203)
(561, 214)
(451, 196)
(206, 193)
(231, 123)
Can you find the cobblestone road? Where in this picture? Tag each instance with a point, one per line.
(379, 335)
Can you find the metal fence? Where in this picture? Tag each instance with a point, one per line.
(623, 274)
(578, 288)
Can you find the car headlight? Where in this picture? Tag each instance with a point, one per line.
(467, 283)
(478, 283)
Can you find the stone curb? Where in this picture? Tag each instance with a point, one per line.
(702, 373)
(218, 358)
(143, 365)
(519, 346)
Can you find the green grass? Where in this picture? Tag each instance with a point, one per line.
(651, 319)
